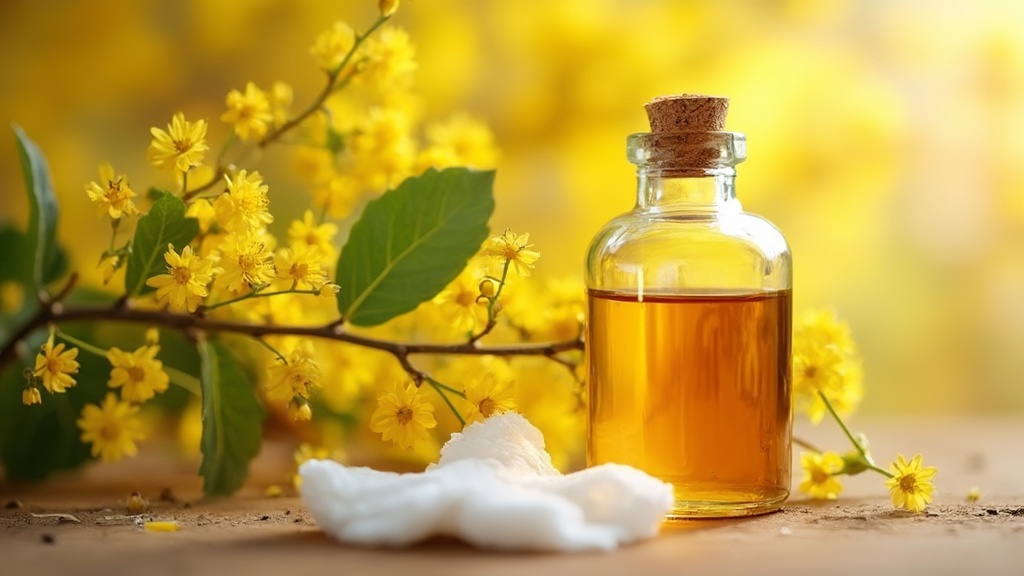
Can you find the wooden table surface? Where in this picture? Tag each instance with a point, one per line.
(859, 534)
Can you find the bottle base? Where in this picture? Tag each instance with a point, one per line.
(693, 509)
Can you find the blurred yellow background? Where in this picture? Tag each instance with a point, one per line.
(886, 139)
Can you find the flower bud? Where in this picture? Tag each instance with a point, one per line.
(487, 288)
(299, 410)
(30, 395)
(388, 7)
(329, 290)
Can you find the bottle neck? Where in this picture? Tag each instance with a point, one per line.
(711, 190)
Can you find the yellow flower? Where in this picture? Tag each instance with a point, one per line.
(911, 485)
(55, 365)
(388, 7)
(30, 395)
(112, 428)
(112, 194)
(820, 470)
(388, 60)
(152, 336)
(973, 494)
(307, 231)
(329, 290)
(820, 366)
(182, 146)
(332, 45)
(139, 374)
(402, 417)
(203, 211)
(822, 325)
(248, 112)
(184, 285)
(489, 396)
(247, 265)
(338, 196)
(513, 248)
(243, 209)
(461, 304)
(299, 410)
(301, 265)
(296, 377)
(382, 150)
(281, 97)
(460, 141)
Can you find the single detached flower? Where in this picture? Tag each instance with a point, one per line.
(139, 374)
(112, 194)
(911, 485)
(488, 396)
(402, 417)
(249, 112)
(112, 428)
(513, 248)
(820, 470)
(55, 365)
(182, 145)
(184, 286)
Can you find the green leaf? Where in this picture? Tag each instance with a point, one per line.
(164, 224)
(43, 210)
(232, 421)
(411, 242)
(37, 440)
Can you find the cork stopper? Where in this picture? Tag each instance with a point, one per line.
(686, 132)
(687, 113)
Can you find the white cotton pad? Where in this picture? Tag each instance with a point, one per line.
(493, 487)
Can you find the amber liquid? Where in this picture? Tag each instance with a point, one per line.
(695, 390)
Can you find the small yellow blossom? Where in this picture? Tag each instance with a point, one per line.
(460, 141)
(273, 491)
(108, 266)
(338, 196)
(307, 231)
(202, 210)
(139, 374)
(246, 265)
(296, 377)
(281, 97)
(182, 145)
(329, 290)
(299, 410)
(402, 417)
(973, 495)
(184, 286)
(461, 304)
(513, 248)
(55, 365)
(387, 7)
(820, 471)
(249, 112)
(152, 336)
(243, 209)
(911, 485)
(822, 366)
(382, 149)
(332, 45)
(112, 194)
(489, 395)
(30, 395)
(388, 60)
(301, 265)
(112, 428)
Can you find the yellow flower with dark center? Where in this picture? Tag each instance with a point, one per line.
(112, 194)
(332, 45)
(55, 365)
(307, 231)
(182, 145)
(112, 428)
(911, 485)
(513, 248)
(402, 417)
(298, 376)
(243, 209)
(184, 286)
(139, 374)
(820, 470)
(249, 112)
(247, 265)
(301, 265)
(489, 395)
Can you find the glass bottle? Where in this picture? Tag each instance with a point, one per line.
(688, 332)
